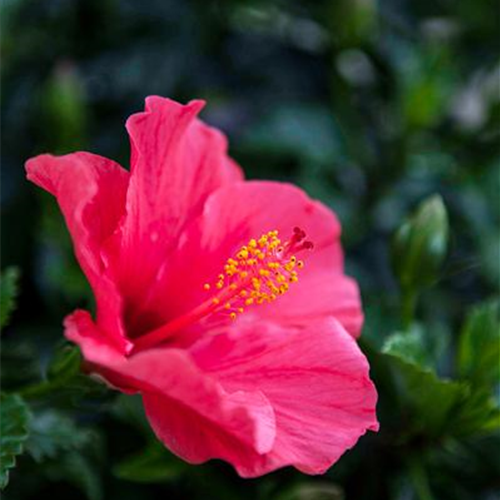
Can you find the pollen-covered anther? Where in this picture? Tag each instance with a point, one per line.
(259, 272)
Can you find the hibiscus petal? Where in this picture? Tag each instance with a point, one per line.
(91, 192)
(319, 294)
(177, 161)
(236, 213)
(316, 380)
(188, 409)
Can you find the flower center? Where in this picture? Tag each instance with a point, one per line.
(258, 273)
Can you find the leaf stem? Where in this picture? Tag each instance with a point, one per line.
(45, 387)
(408, 307)
(39, 389)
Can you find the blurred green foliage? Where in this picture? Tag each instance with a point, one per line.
(371, 107)
(8, 293)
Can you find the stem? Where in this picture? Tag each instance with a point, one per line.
(408, 307)
(39, 389)
(45, 387)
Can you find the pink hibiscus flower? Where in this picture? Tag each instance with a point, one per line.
(221, 301)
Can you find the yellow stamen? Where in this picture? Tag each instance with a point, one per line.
(257, 273)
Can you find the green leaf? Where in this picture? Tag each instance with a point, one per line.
(79, 470)
(430, 402)
(352, 22)
(419, 477)
(436, 407)
(419, 245)
(65, 363)
(153, 464)
(310, 490)
(477, 414)
(8, 292)
(14, 417)
(52, 433)
(66, 451)
(85, 475)
(129, 409)
(478, 356)
(409, 346)
(308, 132)
(18, 351)
(425, 84)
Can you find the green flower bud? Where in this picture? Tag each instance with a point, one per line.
(419, 245)
(64, 109)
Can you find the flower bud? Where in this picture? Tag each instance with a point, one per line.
(65, 112)
(419, 245)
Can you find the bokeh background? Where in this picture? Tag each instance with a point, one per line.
(371, 106)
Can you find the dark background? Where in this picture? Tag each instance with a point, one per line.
(369, 106)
